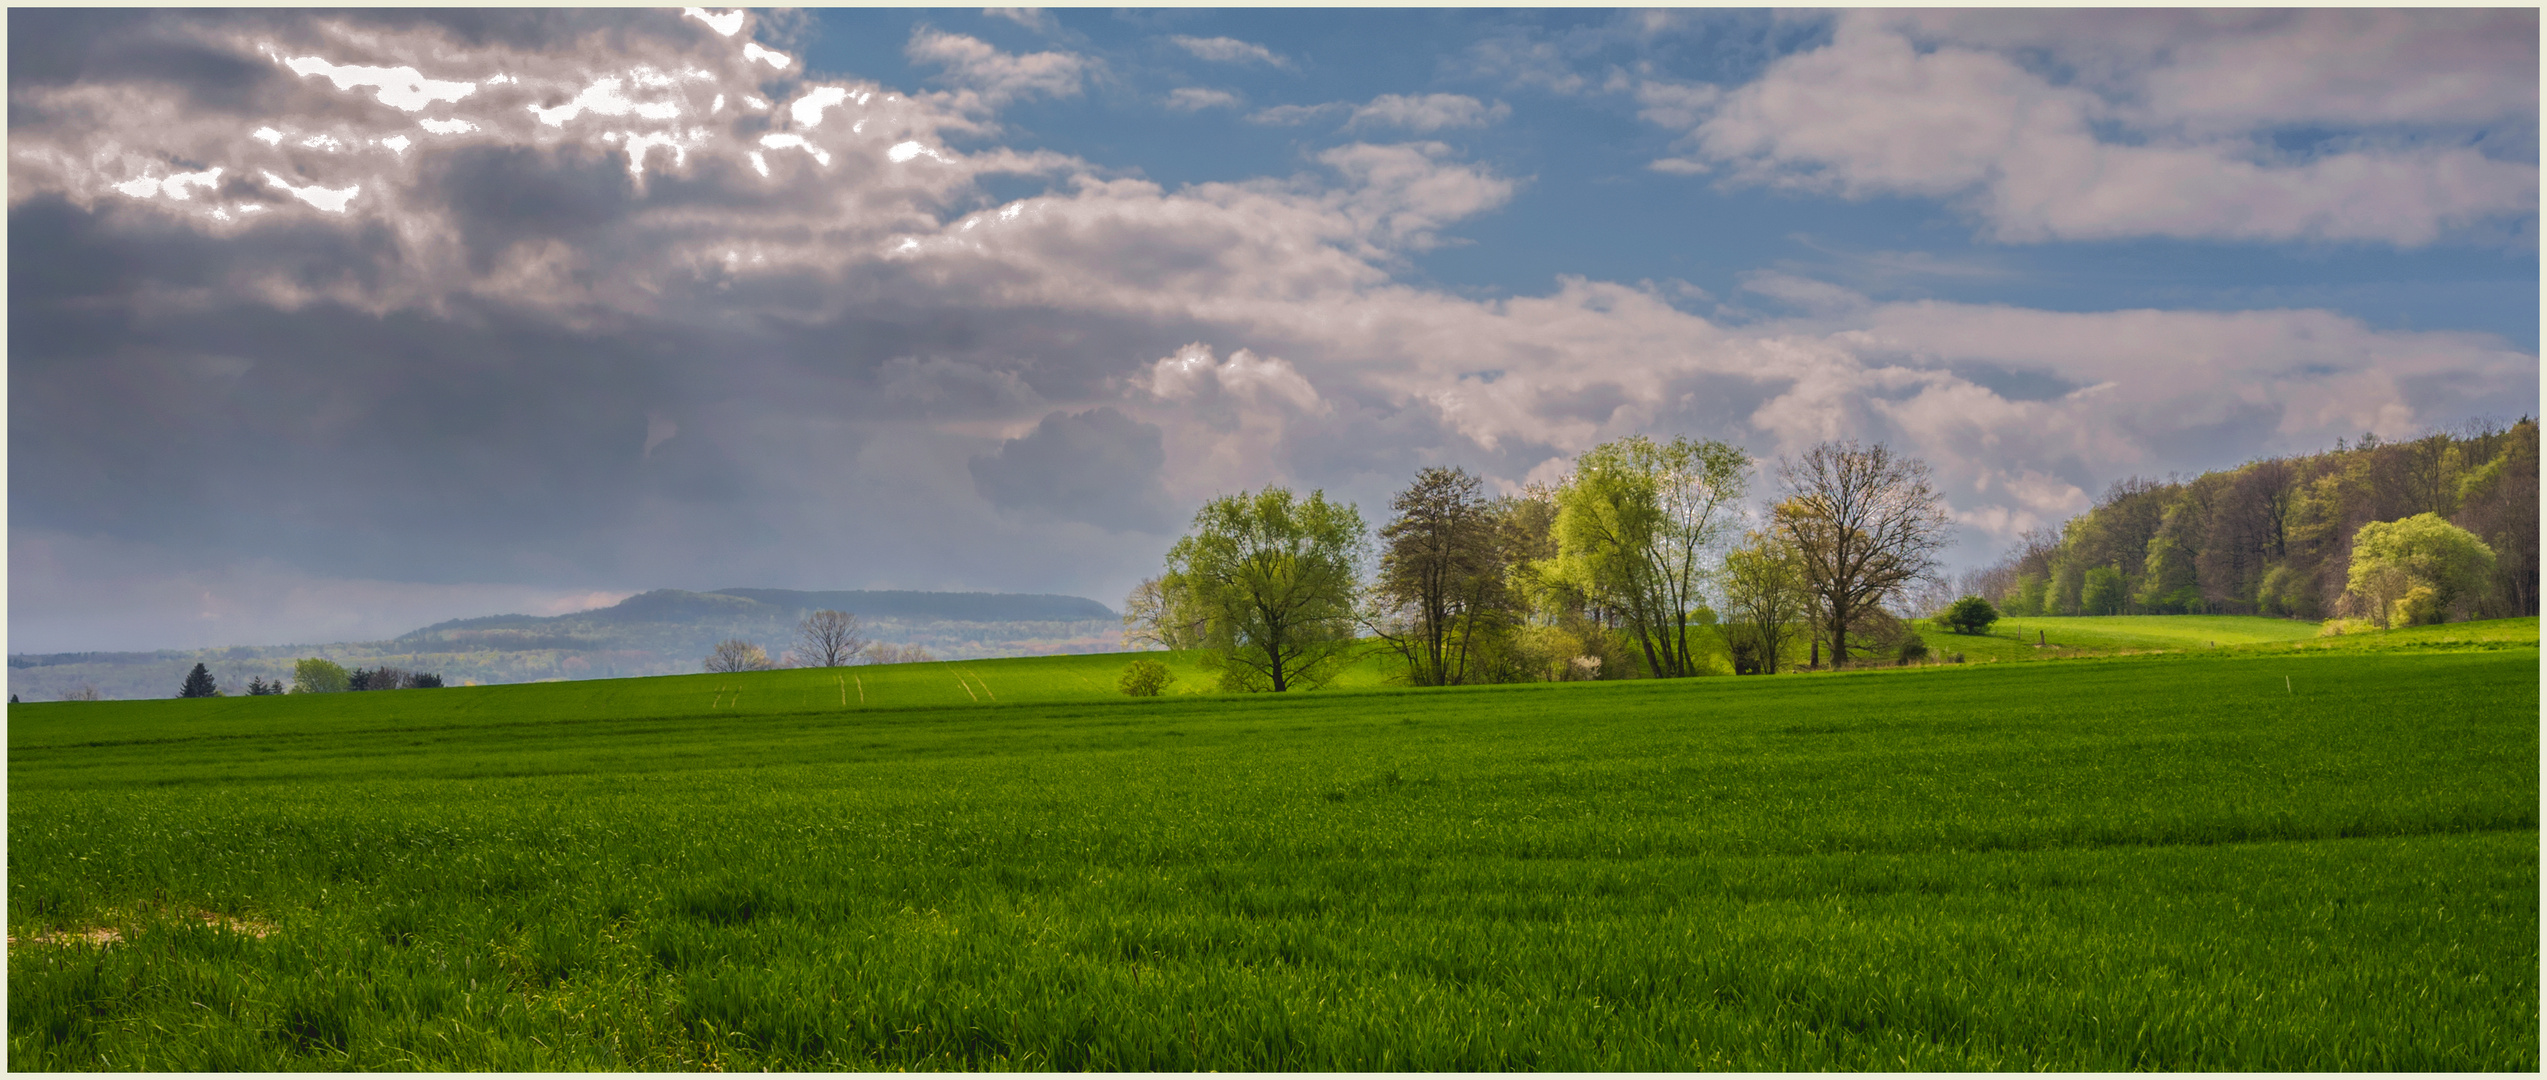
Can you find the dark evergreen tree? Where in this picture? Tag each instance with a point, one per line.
(198, 684)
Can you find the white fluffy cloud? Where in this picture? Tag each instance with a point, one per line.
(1425, 113)
(1229, 50)
(997, 76)
(2167, 129)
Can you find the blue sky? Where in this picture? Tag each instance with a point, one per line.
(329, 325)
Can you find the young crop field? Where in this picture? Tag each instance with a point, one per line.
(2264, 857)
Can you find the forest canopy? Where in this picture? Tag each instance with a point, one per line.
(2276, 536)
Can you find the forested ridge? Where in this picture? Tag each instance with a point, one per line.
(2275, 536)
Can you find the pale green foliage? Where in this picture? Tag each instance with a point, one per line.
(1155, 614)
(1274, 579)
(316, 676)
(2416, 569)
(1636, 531)
(1145, 678)
(1765, 602)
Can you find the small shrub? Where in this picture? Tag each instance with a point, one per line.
(1970, 615)
(1145, 678)
(1912, 649)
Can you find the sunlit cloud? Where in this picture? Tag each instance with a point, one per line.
(401, 88)
(726, 24)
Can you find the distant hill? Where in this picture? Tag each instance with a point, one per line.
(677, 606)
(664, 632)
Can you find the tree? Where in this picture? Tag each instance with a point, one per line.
(2103, 592)
(1864, 525)
(1145, 678)
(1274, 579)
(1970, 615)
(2392, 560)
(318, 676)
(1765, 598)
(882, 653)
(422, 681)
(381, 678)
(1441, 592)
(828, 638)
(736, 654)
(198, 684)
(1153, 614)
(1636, 530)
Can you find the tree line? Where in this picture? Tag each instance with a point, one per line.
(1646, 560)
(312, 676)
(2346, 533)
(825, 638)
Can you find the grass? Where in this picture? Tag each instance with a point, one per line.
(2239, 859)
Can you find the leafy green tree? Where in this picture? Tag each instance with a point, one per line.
(2103, 592)
(1441, 600)
(1636, 531)
(1969, 615)
(1274, 578)
(1765, 600)
(198, 684)
(2392, 560)
(317, 676)
(1865, 523)
(1145, 678)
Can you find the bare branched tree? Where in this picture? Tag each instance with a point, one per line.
(736, 654)
(1866, 526)
(829, 638)
(1157, 614)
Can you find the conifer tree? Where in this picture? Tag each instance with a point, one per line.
(198, 684)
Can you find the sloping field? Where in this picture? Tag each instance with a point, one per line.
(2230, 860)
(2065, 637)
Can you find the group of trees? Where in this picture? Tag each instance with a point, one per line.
(1613, 572)
(824, 638)
(312, 675)
(2287, 536)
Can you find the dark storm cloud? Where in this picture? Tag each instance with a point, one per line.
(1099, 466)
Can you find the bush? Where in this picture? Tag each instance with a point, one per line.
(1145, 678)
(1913, 648)
(1970, 615)
(316, 676)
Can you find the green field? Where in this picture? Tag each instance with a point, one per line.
(2258, 857)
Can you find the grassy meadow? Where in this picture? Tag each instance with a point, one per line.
(2274, 855)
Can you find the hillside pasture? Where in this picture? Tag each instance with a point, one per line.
(2202, 860)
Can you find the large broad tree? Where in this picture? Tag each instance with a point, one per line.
(1274, 578)
(2417, 568)
(1864, 523)
(1765, 596)
(1637, 529)
(829, 638)
(1441, 594)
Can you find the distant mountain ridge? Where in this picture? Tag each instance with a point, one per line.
(663, 632)
(681, 606)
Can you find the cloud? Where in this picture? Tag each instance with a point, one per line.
(1228, 50)
(999, 77)
(1419, 113)
(1427, 113)
(1098, 466)
(1035, 19)
(1951, 108)
(1196, 99)
(1295, 115)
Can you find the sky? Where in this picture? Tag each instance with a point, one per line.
(326, 326)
